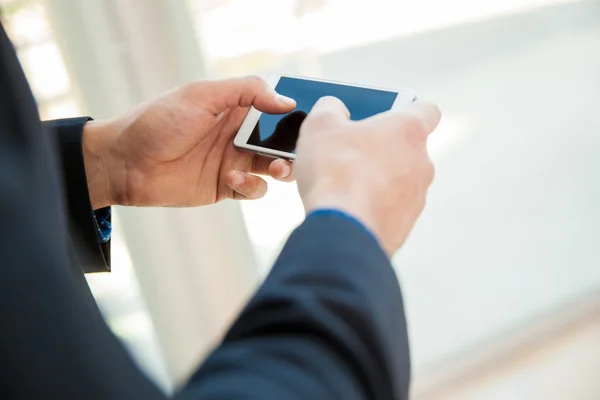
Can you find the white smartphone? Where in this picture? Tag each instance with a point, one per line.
(275, 135)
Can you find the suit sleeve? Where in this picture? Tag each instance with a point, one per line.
(328, 323)
(55, 344)
(94, 256)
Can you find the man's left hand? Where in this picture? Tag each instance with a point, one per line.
(178, 150)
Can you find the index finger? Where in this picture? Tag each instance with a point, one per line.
(418, 118)
(326, 112)
(218, 96)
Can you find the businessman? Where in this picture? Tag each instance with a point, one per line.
(328, 321)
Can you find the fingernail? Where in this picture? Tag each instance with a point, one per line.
(286, 171)
(285, 100)
(239, 179)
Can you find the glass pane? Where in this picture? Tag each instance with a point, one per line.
(510, 228)
(45, 70)
(66, 108)
(26, 23)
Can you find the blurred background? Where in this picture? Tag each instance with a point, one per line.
(502, 273)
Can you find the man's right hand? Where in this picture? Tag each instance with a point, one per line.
(377, 170)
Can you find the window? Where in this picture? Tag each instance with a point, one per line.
(509, 234)
(27, 25)
(509, 231)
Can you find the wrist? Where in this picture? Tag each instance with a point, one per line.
(337, 213)
(96, 140)
(358, 210)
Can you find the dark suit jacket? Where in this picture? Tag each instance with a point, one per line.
(327, 323)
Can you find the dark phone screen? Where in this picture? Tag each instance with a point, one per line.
(280, 132)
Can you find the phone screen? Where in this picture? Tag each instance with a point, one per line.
(280, 132)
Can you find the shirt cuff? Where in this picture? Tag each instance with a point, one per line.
(93, 255)
(333, 213)
(102, 219)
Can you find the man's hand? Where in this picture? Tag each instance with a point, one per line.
(377, 170)
(178, 150)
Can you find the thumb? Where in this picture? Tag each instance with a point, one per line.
(328, 111)
(219, 96)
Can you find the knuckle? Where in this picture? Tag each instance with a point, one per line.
(329, 99)
(254, 86)
(322, 116)
(422, 202)
(435, 108)
(255, 81)
(414, 128)
(428, 170)
(419, 169)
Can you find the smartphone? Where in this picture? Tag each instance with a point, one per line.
(275, 135)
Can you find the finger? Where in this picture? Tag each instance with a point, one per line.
(219, 96)
(416, 120)
(427, 112)
(333, 105)
(328, 111)
(260, 165)
(246, 186)
(281, 170)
